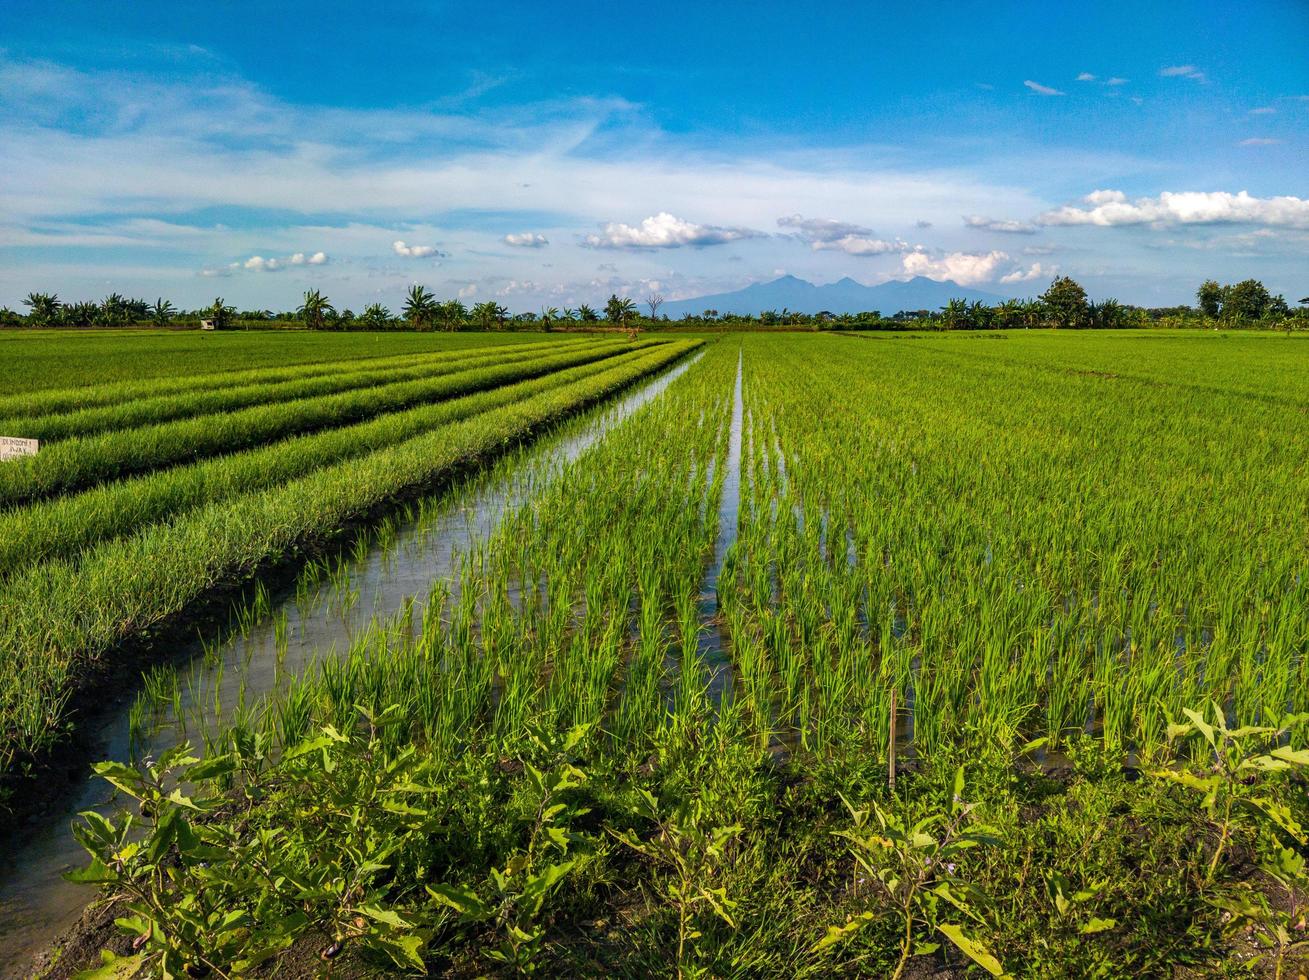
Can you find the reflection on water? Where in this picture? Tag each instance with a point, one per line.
(273, 639)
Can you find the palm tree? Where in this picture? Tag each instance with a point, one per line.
(220, 313)
(586, 314)
(954, 314)
(1108, 314)
(162, 312)
(619, 310)
(376, 317)
(548, 316)
(79, 314)
(485, 314)
(113, 311)
(45, 308)
(501, 314)
(315, 310)
(454, 313)
(1009, 313)
(420, 307)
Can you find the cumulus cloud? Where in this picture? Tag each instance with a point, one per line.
(1183, 71)
(257, 263)
(526, 240)
(1040, 89)
(828, 234)
(1086, 76)
(663, 230)
(1107, 208)
(1035, 271)
(1117, 81)
(1259, 141)
(963, 268)
(1008, 226)
(413, 251)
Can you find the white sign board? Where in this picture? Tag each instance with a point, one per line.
(11, 448)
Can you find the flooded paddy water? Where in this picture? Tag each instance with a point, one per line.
(273, 639)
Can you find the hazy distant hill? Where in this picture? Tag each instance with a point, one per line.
(845, 296)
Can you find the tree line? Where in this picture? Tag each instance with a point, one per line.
(1064, 305)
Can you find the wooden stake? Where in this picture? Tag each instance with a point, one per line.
(890, 766)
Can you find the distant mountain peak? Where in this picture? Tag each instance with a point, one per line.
(846, 295)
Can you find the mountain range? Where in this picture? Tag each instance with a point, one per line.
(843, 296)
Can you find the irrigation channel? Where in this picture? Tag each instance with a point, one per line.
(274, 639)
(710, 645)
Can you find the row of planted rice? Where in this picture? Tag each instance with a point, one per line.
(139, 509)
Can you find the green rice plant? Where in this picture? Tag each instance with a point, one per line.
(81, 462)
(65, 524)
(61, 616)
(153, 408)
(54, 370)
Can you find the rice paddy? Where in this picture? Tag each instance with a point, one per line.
(835, 655)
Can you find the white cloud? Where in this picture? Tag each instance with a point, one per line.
(1263, 110)
(526, 240)
(963, 268)
(1040, 89)
(1086, 76)
(1117, 81)
(1008, 226)
(828, 234)
(257, 263)
(1035, 271)
(1259, 141)
(1183, 71)
(1108, 208)
(663, 230)
(413, 251)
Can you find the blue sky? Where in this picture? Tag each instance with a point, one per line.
(551, 154)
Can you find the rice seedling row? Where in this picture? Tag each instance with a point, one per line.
(155, 408)
(839, 654)
(77, 463)
(61, 526)
(55, 401)
(61, 615)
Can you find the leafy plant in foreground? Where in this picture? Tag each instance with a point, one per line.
(1237, 798)
(206, 892)
(1234, 793)
(692, 853)
(511, 898)
(915, 870)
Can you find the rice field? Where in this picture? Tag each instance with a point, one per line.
(839, 655)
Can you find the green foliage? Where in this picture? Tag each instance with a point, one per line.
(74, 610)
(637, 703)
(691, 853)
(315, 311)
(1241, 760)
(913, 871)
(1066, 301)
